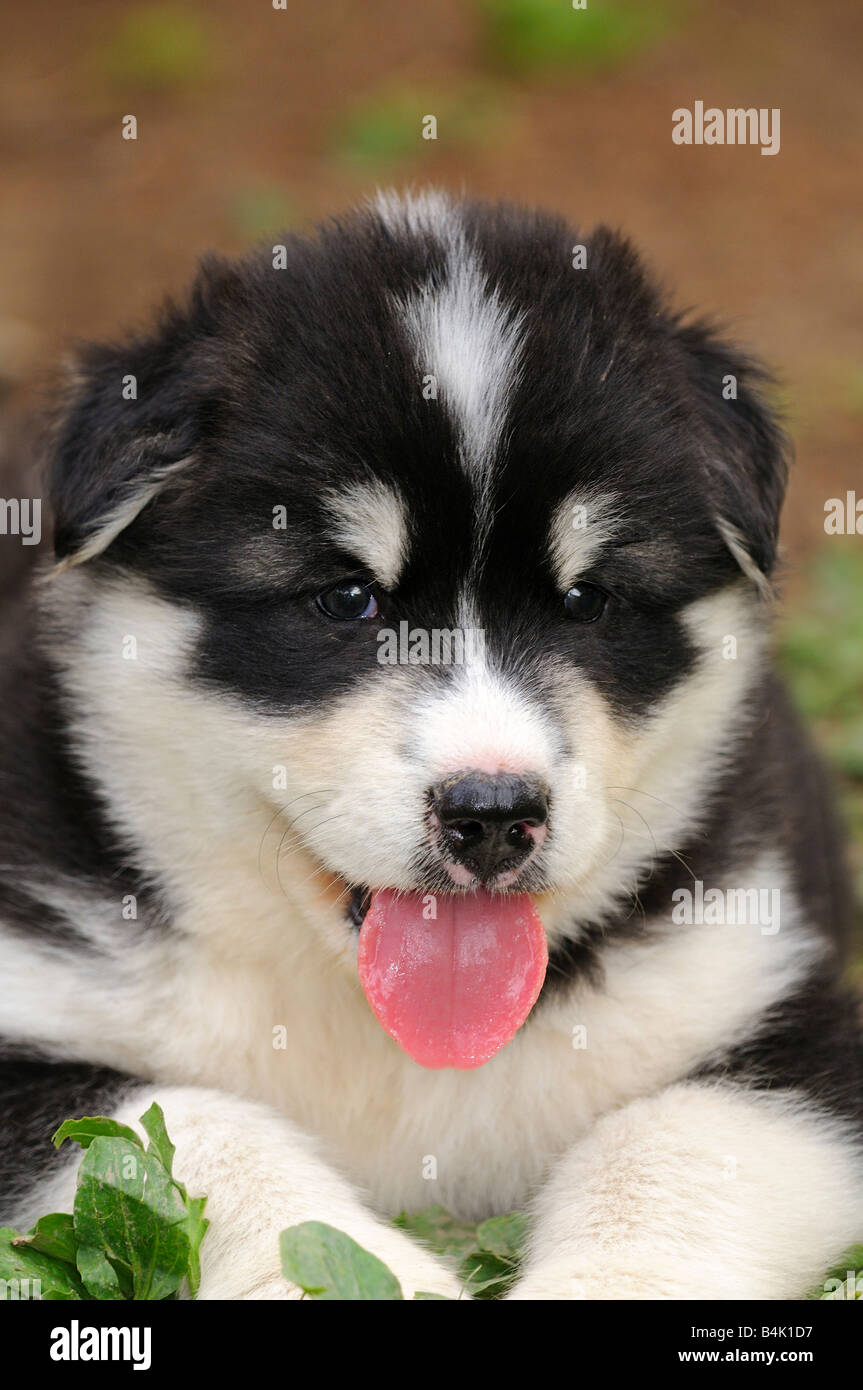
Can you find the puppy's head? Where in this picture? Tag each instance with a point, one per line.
(469, 540)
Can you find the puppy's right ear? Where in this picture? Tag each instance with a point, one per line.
(132, 421)
(123, 433)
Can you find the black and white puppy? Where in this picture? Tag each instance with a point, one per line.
(395, 783)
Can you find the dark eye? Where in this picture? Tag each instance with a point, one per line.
(585, 602)
(348, 601)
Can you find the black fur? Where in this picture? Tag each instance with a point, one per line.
(53, 826)
(36, 1096)
(324, 387)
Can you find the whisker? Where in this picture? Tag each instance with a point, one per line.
(299, 840)
(666, 849)
(283, 811)
(639, 791)
(620, 801)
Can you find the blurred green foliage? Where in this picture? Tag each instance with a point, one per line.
(854, 390)
(158, 47)
(389, 126)
(821, 652)
(257, 211)
(528, 34)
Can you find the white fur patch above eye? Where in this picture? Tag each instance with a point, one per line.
(580, 527)
(370, 520)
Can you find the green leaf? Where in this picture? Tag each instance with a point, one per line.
(196, 1228)
(160, 1145)
(53, 1235)
(504, 1236)
(428, 1296)
(327, 1265)
(488, 1254)
(56, 1281)
(129, 1208)
(439, 1230)
(485, 1275)
(100, 1277)
(84, 1131)
(196, 1223)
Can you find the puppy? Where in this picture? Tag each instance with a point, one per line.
(397, 788)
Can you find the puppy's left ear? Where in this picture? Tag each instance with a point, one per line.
(747, 452)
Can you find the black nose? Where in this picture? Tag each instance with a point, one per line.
(489, 821)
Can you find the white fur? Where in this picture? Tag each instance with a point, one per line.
(700, 1192)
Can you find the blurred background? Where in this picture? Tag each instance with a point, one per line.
(252, 118)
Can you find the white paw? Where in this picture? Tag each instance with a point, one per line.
(595, 1280)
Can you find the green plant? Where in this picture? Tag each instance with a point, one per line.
(821, 652)
(328, 1265)
(134, 1233)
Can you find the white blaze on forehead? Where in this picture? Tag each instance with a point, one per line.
(462, 334)
(580, 527)
(370, 520)
(417, 213)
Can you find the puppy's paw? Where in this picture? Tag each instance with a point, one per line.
(578, 1278)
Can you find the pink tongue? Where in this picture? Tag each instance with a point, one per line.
(452, 990)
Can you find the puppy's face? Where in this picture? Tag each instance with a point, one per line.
(463, 530)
